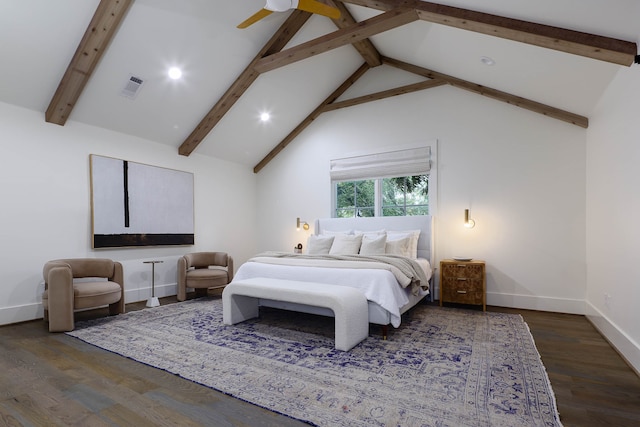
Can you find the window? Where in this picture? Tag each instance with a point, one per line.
(383, 184)
(398, 196)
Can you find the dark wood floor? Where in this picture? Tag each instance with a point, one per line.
(53, 379)
(593, 385)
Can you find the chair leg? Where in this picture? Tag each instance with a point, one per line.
(182, 293)
(114, 308)
(61, 321)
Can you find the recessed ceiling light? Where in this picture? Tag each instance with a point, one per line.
(175, 73)
(487, 61)
(265, 117)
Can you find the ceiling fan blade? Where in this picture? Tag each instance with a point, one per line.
(262, 13)
(314, 6)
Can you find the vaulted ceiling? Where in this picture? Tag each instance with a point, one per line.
(72, 58)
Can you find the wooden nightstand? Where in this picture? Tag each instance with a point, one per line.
(463, 282)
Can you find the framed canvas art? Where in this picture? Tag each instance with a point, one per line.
(134, 204)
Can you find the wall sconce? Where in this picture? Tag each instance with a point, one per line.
(468, 222)
(304, 224)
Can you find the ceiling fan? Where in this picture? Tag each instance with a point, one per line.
(312, 6)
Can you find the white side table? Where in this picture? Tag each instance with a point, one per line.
(153, 300)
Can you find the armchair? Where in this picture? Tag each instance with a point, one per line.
(62, 295)
(202, 271)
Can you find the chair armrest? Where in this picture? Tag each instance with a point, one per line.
(118, 274)
(230, 268)
(183, 265)
(59, 284)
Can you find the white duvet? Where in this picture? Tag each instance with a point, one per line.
(378, 285)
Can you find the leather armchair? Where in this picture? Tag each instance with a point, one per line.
(62, 295)
(202, 271)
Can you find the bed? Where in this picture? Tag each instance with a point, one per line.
(388, 293)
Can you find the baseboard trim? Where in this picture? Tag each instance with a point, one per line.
(20, 313)
(532, 302)
(628, 349)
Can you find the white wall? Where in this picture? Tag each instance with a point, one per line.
(46, 207)
(521, 174)
(613, 212)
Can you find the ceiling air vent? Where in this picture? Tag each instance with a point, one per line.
(132, 87)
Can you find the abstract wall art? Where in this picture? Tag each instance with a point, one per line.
(134, 204)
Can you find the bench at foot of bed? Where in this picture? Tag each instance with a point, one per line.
(349, 305)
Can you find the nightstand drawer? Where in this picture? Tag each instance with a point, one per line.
(462, 292)
(470, 271)
(462, 284)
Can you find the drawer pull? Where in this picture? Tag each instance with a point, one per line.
(461, 265)
(462, 292)
(462, 279)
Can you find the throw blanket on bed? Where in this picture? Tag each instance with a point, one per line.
(406, 270)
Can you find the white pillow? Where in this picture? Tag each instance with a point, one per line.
(399, 247)
(414, 235)
(373, 245)
(319, 244)
(344, 244)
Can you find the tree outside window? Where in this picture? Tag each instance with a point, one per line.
(399, 196)
(355, 199)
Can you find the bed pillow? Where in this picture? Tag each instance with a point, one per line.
(373, 244)
(400, 247)
(413, 235)
(344, 244)
(319, 244)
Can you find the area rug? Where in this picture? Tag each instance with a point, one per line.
(442, 367)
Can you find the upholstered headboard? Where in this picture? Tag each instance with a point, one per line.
(397, 223)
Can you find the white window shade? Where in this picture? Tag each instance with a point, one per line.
(414, 161)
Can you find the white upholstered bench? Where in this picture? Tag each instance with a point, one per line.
(349, 305)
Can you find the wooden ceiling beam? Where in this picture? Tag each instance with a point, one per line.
(428, 84)
(311, 117)
(575, 42)
(518, 101)
(366, 49)
(285, 33)
(359, 31)
(102, 28)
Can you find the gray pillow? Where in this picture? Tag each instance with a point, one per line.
(373, 245)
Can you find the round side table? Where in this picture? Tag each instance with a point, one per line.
(153, 300)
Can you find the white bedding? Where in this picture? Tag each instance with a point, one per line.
(379, 286)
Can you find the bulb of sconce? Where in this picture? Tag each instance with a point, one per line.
(470, 223)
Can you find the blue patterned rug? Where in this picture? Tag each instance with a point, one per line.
(442, 367)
